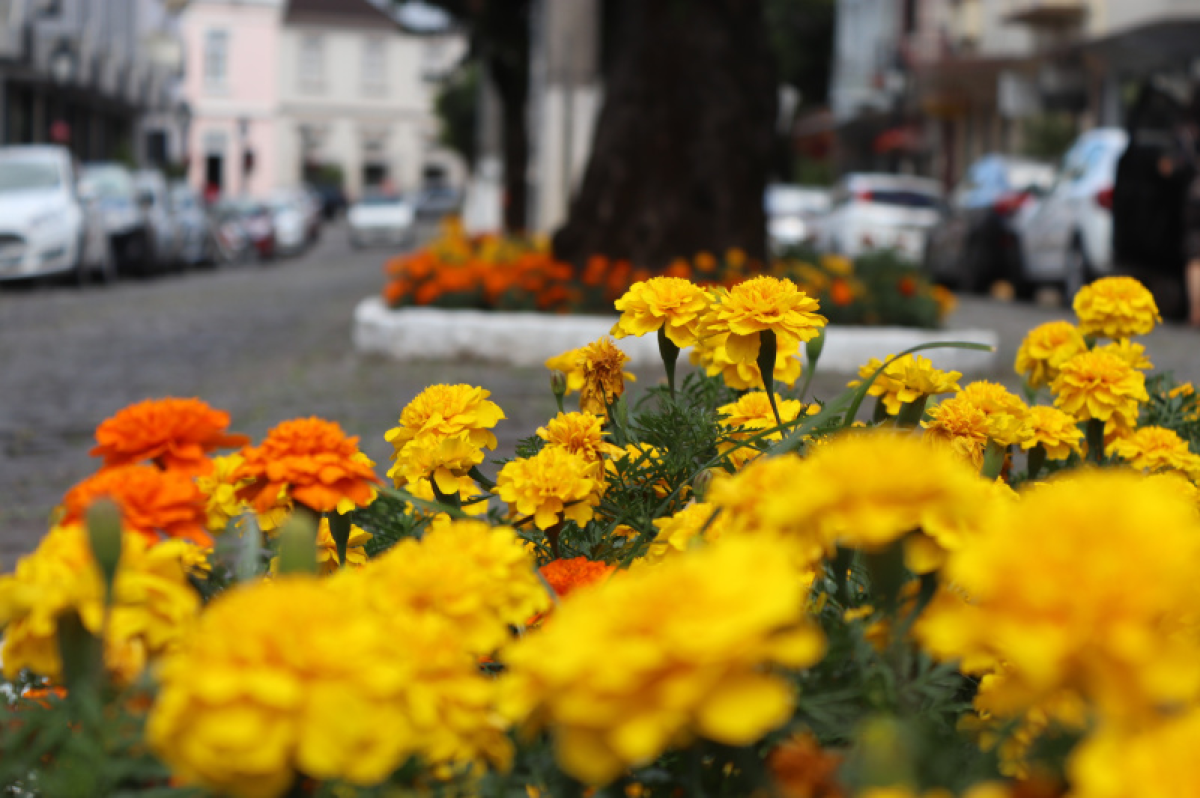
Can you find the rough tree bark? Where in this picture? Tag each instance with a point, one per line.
(683, 144)
(512, 85)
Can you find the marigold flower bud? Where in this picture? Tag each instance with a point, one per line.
(104, 536)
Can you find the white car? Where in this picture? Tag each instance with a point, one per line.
(46, 228)
(881, 211)
(793, 213)
(381, 218)
(290, 215)
(1066, 238)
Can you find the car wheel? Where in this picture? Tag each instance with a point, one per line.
(106, 268)
(972, 269)
(1077, 272)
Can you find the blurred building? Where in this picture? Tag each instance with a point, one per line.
(930, 85)
(328, 91)
(99, 76)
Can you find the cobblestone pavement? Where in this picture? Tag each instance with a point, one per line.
(268, 343)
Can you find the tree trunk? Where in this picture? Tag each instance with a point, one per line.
(511, 79)
(683, 145)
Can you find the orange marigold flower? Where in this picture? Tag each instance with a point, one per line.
(802, 769)
(155, 504)
(567, 576)
(908, 286)
(603, 380)
(314, 461)
(172, 433)
(840, 292)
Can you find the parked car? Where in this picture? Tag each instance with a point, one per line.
(434, 202)
(872, 211)
(46, 227)
(1066, 238)
(793, 213)
(112, 187)
(154, 197)
(193, 224)
(314, 211)
(290, 218)
(976, 242)
(381, 218)
(257, 222)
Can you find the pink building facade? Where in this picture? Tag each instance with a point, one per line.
(232, 84)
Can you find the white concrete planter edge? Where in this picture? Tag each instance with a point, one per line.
(528, 339)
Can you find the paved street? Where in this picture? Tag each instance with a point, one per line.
(268, 343)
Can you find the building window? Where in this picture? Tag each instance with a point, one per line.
(312, 63)
(216, 59)
(374, 66)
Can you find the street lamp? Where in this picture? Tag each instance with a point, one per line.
(63, 62)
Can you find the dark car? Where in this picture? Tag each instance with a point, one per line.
(976, 242)
(434, 202)
(333, 200)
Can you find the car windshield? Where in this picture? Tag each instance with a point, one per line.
(901, 198)
(108, 182)
(373, 200)
(25, 175)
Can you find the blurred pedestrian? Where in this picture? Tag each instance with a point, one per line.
(1184, 164)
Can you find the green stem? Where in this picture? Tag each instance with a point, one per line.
(1037, 459)
(449, 499)
(993, 460)
(483, 481)
(1094, 430)
(767, 348)
(670, 354)
(339, 529)
(911, 412)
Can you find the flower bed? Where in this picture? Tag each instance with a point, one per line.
(725, 590)
(495, 273)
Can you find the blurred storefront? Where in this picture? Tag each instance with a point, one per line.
(99, 77)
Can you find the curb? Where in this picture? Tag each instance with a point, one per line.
(529, 339)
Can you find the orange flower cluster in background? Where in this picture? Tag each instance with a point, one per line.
(494, 272)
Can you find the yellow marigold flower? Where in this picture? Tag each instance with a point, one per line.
(247, 704)
(172, 433)
(327, 558)
(1066, 619)
(551, 485)
(1052, 429)
(744, 376)
(1115, 307)
(481, 579)
(1044, 350)
(763, 303)
(1181, 484)
(837, 264)
(1102, 386)
(1132, 353)
(153, 602)
(906, 379)
(1155, 449)
(946, 301)
(222, 503)
(603, 379)
(445, 410)
(672, 304)
(569, 363)
(677, 533)
(749, 416)
(314, 461)
(444, 460)
(1182, 389)
(865, 490)
(1157, 761)
(579, 433)
(658, 655)
(961, 425)
(740, 498)
(1005, 410)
